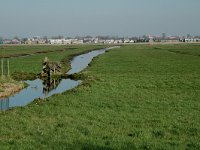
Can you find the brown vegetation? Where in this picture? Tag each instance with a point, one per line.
(10, 88)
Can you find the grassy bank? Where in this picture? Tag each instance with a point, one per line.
(21, 50)
(140, 96)
(28, 67)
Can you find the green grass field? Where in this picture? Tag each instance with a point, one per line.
(21, 67)
(135, 97)
(9, 50)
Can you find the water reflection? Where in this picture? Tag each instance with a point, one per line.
(50, 84)
(4, 104)
(37, 89)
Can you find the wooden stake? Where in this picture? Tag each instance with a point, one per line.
(54, 69)
(8, 67)
(2, 67)
(8, 103)
(54, 83)
(2, 104)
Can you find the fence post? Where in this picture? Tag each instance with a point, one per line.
(2, 67)
(8, 63)
(54, 69)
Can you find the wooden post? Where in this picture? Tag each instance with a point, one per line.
(54, 83)
(54, 69)
(8, 103)
(8, 63)
(2, 67)
(2, 104)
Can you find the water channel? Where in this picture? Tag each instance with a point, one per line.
(43, 89)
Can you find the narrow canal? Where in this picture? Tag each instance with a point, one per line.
(44, 89)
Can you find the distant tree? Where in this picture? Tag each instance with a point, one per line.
(145, 37)
(1, 39)
(88, 37)
(60, 37)
(103, 37)
(57, 37)
(16, 38)
(68, 37)
(45, 38)
(188, 36)
(24, 40)
(164, 36)
(78, 37)
(115, 37)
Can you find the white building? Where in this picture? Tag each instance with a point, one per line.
(55, 41)
(132, 41)
(62, 41)
(192, 40)
(126, 41)
(68, 41)
(76, 41)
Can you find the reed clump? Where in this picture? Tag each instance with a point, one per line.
(8, 86)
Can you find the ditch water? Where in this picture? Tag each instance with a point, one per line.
(45, 88)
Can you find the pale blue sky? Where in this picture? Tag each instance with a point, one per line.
(27, 18)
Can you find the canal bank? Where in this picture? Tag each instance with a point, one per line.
(42, 89)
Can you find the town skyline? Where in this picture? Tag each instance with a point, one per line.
(164, 38)
(25, 18)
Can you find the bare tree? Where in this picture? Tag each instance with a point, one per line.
(57, 37)
(16, 38)
(1, 39)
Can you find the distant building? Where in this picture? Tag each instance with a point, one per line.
(65, 41)
(55, 41)
(14, 41)
(191, 40)
(171, 39)
(76, 41)
(126, 41)
(28, 41)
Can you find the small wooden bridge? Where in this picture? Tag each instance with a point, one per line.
(50, 68)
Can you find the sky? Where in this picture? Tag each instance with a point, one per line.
(27, 18)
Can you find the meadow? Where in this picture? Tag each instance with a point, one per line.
(134, 97)
(22, 68)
